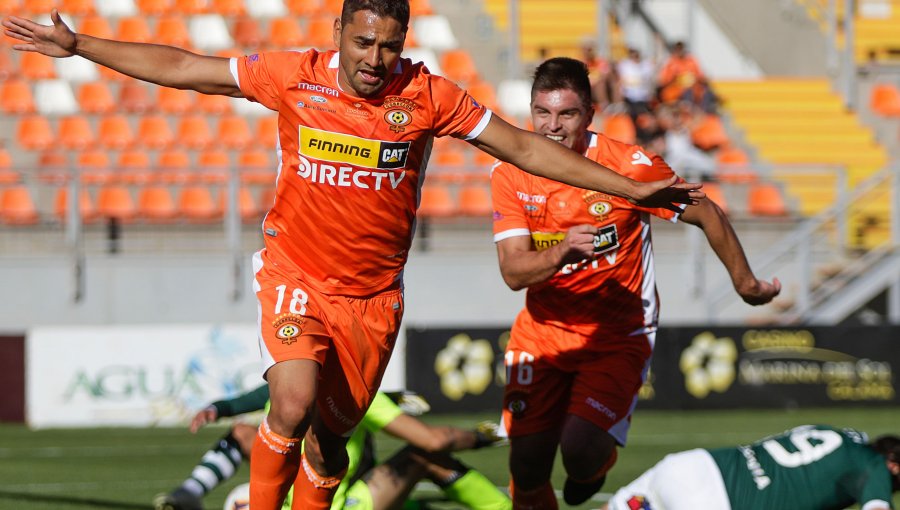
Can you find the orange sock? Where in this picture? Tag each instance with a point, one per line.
(542, 498)
(312, 490)
(273, 469)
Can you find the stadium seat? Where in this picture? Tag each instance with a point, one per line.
(620, 127)
(7, 68)
(133, 167)
(172, 30)
(228, 7)
(319, 32)
(213, 166)
(175, 101)
(425, 56)
(248, 211)
(458, 66)
(35, 133)
(450, 156)
(115, 8)
(196, 204)
(86, 208)
(155, 7)
(174, 167)
(54, 97)
(710, 134)
(247, 33)
(330, 8)
(115, 201)
(114, 132)
(266, 8)
(53, 167)
(304, 7)
(134, 97)
(38, 7)
(154, 132)
(209, 33)
(78, 7)
(475, 200)
(193, 132)
(75, 133)
(285, 33)
(17, 207)
(134, 29)
(95, 26)
(156, 205)
(484, 93)
(35, 66)
(76, 69)
(13, 7)
(16, 97)
(483, 163)
(765, 199)
(714, 193)
(435, 32)
(436, 202)
(213, 104)
(267, 131)
(420, 8)
(266, 198)
(515, 97)
(7, 174)
(885, 100)
(191, 7)
(234, 132)
(95, 98)
(95, 167)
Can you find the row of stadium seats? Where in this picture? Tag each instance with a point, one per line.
(875, 27)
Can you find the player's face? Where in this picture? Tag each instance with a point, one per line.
(561, 116)
(370, 47)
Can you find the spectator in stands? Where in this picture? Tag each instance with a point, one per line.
(636, 81)
(678, 121)
(579, 350)
(382, 485)
(605, 88)
(329, 282)
(682, 79)
(810, 467)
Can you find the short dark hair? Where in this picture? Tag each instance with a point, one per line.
(397, 9)
(563, 73)
(889, 447)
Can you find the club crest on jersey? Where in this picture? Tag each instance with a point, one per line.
(398, 119)
(516, 404)
(288, 327)
(362, 152)
(599, 204)
(606, 239)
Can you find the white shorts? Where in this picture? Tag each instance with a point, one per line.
(681, 481)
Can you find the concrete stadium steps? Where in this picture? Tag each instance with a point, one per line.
(541, 21)
(801, 121)
(876, 31)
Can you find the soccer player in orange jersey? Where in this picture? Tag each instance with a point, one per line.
(580, 348)
(355, 130)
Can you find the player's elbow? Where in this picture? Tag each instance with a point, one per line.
(513, 281)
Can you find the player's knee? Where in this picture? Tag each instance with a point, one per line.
(290, 415)
(583, 461)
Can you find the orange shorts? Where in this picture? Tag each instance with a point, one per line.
(350, 338)
(552, 372)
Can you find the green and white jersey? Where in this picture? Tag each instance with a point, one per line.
(812, 467)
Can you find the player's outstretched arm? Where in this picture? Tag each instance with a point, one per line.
(163, 65)
(721, 237)
(436, 439)
(540, 156)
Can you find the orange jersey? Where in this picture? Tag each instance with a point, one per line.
(615, 292)
(350, 168)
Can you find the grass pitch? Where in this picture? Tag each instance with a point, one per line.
(79, 469)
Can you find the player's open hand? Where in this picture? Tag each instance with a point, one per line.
(56, 40)
(759, 292)
(204, 417)
(667, 194)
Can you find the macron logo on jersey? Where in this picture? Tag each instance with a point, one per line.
(639, 158)
(315, 87)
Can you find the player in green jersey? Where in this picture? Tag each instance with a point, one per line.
(811, 467)
(368, 485)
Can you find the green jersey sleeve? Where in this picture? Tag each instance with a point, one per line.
(245, 403)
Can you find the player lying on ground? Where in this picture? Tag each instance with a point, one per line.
(369, 485)
(812, 467)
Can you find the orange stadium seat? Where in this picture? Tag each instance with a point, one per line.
(331, 8)
(78, 7)
(134, 97)
(714, 192)
(212, 166)
(234, 132)
(303, 7)
(228, 7)
(134, 167)
(193, 132)
(154, 132)
(475, 200)
(7, 174)
(191, 7)
(196, 204)
(95, 26)
(95, 167)
(266, 199)
(155, 7)
(38, 7)
(885, 100)
(213, 104)
(11, 7)
(174, 167)
(134, 29)
(734, 166)
(765, 200)
(450, 156)
(114, 132)
(17, 207)
(86, 208)
(35, 133)
(156, 205)
(620, 127)
(75, 132)
(7, 68)
(53, 167)
(483, 163)
(246, 33)
(34, 66)
(115, 202)
(484, 93)
(285, 33)
(436, 202)
(16, 97)
(255, 167)
(95, 97)
(710, 134)
(267, 131)
(248, 211)
(420, 8)
(172, 30)
(458, 66)
(319, 32)
(175, 101)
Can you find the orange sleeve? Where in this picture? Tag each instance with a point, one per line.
(263, 77)
(509, 212)
(456, 113)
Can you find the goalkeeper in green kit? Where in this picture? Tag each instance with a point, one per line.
(368, 485)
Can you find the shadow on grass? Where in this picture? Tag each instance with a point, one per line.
(68, 500)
